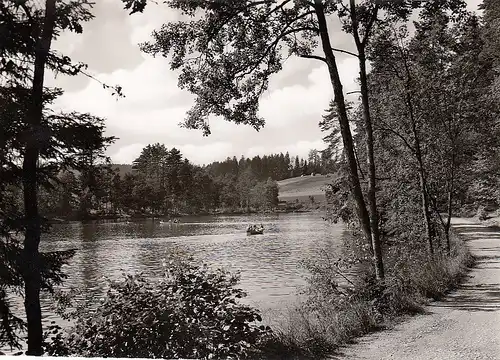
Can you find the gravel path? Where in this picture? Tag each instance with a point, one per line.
(465, 325)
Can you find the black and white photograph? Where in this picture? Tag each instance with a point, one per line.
(250, 179)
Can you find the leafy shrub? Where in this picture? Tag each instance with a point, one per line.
(481, 213)
(343, 300)
(192, 312)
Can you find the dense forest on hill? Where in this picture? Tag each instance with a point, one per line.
(275, 166)
(161, 182)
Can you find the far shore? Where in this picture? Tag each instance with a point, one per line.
(116, 217)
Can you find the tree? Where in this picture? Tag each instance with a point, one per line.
(246, 181)
(296, 167)
(258, 196)
(427, 92)
(43, 141)
(153, 169)
(394, 77)
(491, 33)
(288, 164)
(329, 124)
(173, 164)
(32, 271)
(243, 69)
(116, 192)
(271, 191)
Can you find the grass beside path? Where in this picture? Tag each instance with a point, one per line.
(322, 327)
(463, 325)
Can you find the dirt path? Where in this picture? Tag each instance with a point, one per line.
(466, 325)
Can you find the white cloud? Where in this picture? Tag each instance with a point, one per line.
(154, 106)
(126, 154)
(207, 153)
(291, 104)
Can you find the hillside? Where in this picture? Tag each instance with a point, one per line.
(122, 168)
(302, 187)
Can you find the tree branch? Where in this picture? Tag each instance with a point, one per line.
(370, 25)
(278, 7)
(312, 57)
(354, 21)
(232, 15)
(277, 40)
(399, 136)
(345, 52)
(27, 11)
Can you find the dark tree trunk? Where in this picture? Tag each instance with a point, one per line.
(451, 183)
(31, 255)
(362, 212)
(421, 175)
(372, 184)
(424, 194)
(425, 208)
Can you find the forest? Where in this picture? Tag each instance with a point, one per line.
(418, 146)
(160, 182)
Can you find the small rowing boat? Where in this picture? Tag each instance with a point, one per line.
(255, 230)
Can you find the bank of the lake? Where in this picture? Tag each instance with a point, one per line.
(270, 266)
(322, 326)
(287, 208)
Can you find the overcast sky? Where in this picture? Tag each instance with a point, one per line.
(154, 106)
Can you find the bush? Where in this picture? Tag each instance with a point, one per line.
(192, 312)
(481, 213)
(343, 300)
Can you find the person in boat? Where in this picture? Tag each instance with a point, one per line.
(252, 228)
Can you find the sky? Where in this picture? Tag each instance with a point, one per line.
(154, 106)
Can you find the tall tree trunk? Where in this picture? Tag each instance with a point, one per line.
(31, 255)
(345, 130)
(421, 172)
(451, 183)
(424, 194)
(425, 207)
(370, 153)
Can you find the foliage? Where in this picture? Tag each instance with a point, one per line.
(162, 182)
(11, 283)
(36, 144)
(192, 312)
(433, 119)
(68, 137)
(343, 302)
(433, 116)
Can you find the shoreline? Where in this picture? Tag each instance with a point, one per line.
(60, 220)
(331, 334)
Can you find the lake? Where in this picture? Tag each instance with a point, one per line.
(269, 264)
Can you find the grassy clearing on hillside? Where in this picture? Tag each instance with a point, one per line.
(302, 187)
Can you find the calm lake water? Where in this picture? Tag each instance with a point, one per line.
(269, 264)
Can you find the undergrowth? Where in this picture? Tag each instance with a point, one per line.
(339, 309)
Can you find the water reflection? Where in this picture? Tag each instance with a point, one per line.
(268, 263)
